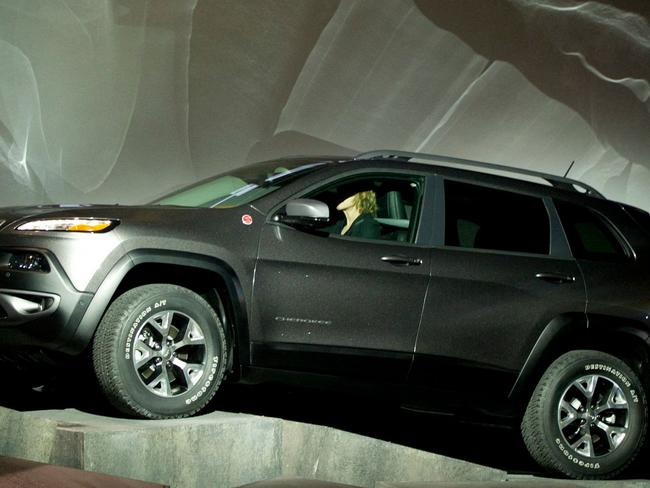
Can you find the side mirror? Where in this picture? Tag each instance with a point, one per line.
(305, 213)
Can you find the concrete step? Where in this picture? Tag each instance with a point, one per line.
(221, 450)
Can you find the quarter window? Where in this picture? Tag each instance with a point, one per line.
(590, 236)
(478, 217)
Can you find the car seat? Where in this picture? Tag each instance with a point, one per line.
(393, 217)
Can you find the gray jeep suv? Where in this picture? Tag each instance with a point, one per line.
(525, 297)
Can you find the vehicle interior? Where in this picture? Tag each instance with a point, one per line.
(398, 202)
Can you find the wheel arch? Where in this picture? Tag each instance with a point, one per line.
(204, 275)
(627, 339)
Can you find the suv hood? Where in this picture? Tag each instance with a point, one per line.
(13, 216)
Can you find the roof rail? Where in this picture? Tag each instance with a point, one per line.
(556, 181)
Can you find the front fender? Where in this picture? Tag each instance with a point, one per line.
(106, 293)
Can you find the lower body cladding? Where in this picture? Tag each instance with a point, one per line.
(467, 389)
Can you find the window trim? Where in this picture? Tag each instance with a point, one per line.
(560, 246)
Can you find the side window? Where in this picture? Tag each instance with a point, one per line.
(479, 217)
(590, 236)
(379, 207)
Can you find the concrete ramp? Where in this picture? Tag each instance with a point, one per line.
(221, 450)
(522, 482)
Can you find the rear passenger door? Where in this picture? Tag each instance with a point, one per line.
(500, 273)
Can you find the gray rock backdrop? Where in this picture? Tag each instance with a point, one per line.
(123, 100)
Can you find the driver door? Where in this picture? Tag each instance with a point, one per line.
(326, 303)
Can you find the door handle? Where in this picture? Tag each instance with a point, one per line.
(402, 260)
(556, 278)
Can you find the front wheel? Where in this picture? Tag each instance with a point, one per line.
(587, 417)
(160, 352)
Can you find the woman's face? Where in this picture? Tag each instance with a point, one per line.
(347, 203)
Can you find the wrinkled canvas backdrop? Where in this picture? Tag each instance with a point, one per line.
(122, 100)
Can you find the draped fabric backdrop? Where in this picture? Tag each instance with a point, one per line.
(122, 100)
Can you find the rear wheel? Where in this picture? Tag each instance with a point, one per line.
(160, 352)
(587, 417)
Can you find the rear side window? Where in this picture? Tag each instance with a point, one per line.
(590, 236)
(479, 217)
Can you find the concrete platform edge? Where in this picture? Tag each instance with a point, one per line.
(221, 449)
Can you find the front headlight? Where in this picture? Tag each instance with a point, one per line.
(70, 225)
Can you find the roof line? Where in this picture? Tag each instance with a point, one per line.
(555, 180)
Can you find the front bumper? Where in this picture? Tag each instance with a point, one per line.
(39, 309)
(20, 306)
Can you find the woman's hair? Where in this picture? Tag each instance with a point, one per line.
(366, 202)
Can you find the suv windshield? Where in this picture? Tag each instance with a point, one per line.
(239, 186)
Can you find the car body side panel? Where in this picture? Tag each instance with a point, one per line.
(318, 296)
(486, 310)
(618, 291)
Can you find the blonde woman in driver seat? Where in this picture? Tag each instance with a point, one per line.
(359, 210)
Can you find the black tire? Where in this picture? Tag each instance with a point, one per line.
(160, 352)
(567, 431)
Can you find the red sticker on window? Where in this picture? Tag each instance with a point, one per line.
(246, 219)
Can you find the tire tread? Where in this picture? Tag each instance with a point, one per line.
(532, 426)
(105, 349)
